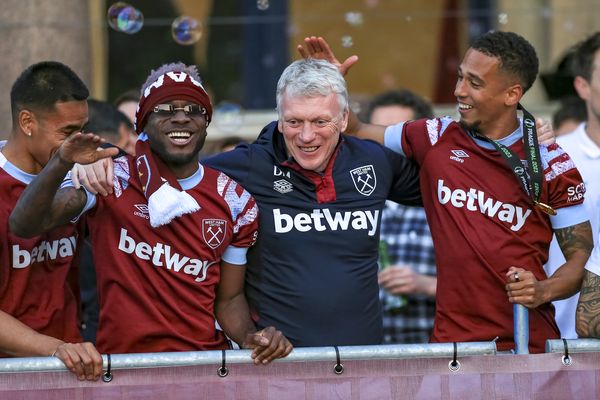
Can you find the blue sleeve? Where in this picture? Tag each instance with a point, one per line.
(235, 255)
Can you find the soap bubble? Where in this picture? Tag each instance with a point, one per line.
(347, 41)
(125, 18)
(186, 30)
(262, 5)
(227, 116)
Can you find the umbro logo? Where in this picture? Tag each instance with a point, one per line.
(283, 186)
(141, 211)
(459, 155)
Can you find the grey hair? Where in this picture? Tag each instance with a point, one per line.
(191, 70)
(312, 78)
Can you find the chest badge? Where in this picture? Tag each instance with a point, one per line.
(213, 232)
(364, 179)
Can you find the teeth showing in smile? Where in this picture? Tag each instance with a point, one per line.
(462, 106)
(309, 149)
(179, 135)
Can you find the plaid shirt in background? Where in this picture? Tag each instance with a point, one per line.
(409, 242)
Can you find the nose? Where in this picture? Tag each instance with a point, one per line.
(180, 116)
(459, 89)
(307, 133)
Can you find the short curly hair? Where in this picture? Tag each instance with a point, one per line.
(517, 56)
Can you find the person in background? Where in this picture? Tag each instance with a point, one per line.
(229, 143)
(569, 115)
(127, 103)
(583, 145)
(411, 278)
(113, 125)
(38, 275)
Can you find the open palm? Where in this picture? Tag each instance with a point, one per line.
(318, 48)
(83, 148)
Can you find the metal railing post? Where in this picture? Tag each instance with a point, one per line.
(521, 327)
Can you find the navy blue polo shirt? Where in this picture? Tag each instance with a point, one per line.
(313, 271)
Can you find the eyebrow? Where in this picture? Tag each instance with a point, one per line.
(470, 75)
(73, 127)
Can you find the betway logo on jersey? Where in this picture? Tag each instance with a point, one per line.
(321, 220)
(64, 247)
(160, 255)
(477, 200)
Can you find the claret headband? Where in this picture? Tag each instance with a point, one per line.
(168, 87)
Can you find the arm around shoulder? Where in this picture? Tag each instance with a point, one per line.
(40, 207)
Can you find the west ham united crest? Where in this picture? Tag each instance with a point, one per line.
(213, 232)
(364, 179)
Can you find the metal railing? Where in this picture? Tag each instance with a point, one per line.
(175, 359)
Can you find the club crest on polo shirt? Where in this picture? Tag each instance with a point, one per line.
(213, 232)
(364, 179)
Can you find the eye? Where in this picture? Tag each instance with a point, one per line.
(292, 123)
(475, 84)
(322, 123)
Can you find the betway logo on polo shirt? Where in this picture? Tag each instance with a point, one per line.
(321, 220)
(477, 200)
(64, 247)
(160, 255)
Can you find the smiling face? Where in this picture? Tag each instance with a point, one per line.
(177, 138)
(311, 128)
(487, 96)
(49, 129)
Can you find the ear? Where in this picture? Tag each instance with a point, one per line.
(27, 121)
(582, 87)
(513, 95)
(280, 125)
(344, 124)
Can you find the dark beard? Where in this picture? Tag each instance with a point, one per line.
(473, 128)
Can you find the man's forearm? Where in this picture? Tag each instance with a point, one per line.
(234, 317)
(576, 243)
(37, 211)
(364, 131)
(566, 281)
(17, 339)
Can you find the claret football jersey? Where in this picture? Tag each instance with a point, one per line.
(482, 223)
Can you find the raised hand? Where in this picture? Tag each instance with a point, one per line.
(267, 344)
(317, 47)
(545, 132)
(83, 148)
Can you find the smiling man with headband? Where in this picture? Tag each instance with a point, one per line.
(170, 241)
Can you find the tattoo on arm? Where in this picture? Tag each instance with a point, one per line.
(575, 238)
(67, 204)
(588, 308)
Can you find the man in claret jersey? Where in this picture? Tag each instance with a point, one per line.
(492, 212)
(38, 299)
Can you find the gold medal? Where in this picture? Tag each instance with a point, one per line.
(545, 208)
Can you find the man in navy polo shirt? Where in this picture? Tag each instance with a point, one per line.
(313, 270)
